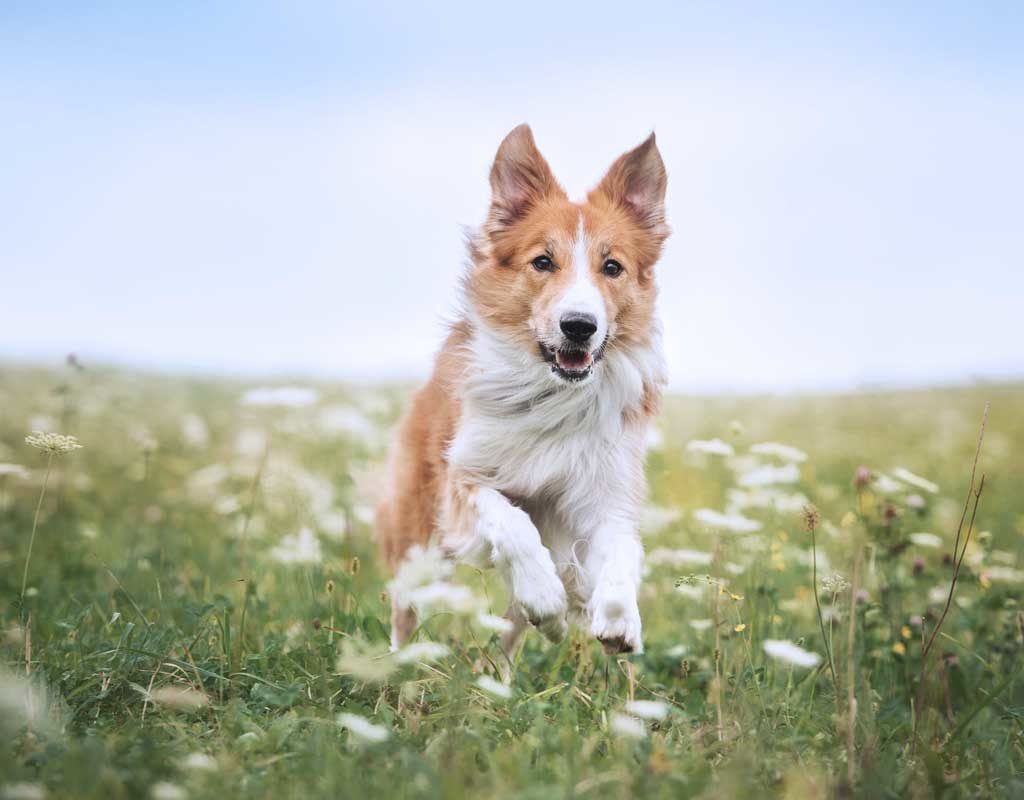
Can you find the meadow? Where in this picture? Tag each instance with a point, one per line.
(203, 613)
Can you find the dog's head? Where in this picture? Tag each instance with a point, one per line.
(568, 281)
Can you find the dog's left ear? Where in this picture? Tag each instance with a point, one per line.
(637, 182)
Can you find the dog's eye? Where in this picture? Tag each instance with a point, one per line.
(612, 268)
(543, 264)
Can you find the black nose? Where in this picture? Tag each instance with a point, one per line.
(578, 327)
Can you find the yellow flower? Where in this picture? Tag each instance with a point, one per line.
(740, 628)
(905, 632)
(899, 649)
(849, 520)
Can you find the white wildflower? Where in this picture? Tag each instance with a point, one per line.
(298, 548)
(925, 539)
(627, 727)
(494, 623)
(835, 583)
(179, 698)
(714, 447)
(194, 431)
(281, 396)
(348, 421)
(915, 501)
(768, 475)
(23, 791)
(768, 497)
(251, 443)
(198, 762)
(700, 625)
(734, 523)
(909, 477)
(227, 505)
(690, 592)
(362, 729)
(493, 687)
(791, 653)
(885, 485)
(15, 470)
(677, 558)
(654, 519)
(420, 566)
(55, 444)
(677, 651)
(332, 523)
(164, 790)
(444, 596)
(1004, 574)
(783, 452)
(647, 709)
(365, 661)
(421, 653)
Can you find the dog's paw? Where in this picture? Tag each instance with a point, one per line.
(542, 596)
(615, 620)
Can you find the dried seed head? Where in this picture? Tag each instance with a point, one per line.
(811, 518)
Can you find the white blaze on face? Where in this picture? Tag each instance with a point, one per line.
(582, 295)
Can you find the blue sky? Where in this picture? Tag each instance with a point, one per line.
(280, 187)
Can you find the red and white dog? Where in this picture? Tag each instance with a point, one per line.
(525, 450)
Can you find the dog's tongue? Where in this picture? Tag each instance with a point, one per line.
(573, 360)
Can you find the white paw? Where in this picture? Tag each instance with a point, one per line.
(542, 596)
(615, 619)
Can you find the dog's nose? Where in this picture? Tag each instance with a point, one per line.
(578, 327)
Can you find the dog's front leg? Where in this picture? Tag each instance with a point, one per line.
(489, 531)
(613, 569)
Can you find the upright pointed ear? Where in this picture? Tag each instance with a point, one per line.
(519, 177)
(637, 181)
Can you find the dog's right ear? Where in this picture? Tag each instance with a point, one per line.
(519, 177)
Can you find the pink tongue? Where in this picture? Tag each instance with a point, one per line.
(576, 360)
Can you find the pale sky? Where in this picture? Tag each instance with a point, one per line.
(273, 190)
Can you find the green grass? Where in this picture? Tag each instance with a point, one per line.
(141, 580)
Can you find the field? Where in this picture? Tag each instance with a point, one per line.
(203, 613)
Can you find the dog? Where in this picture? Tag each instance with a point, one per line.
(524, 451)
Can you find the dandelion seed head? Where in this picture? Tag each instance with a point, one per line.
(55, 444)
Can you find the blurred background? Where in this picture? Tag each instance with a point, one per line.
(280, 188)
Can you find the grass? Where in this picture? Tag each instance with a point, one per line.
(179, 638)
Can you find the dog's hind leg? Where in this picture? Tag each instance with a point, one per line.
(403, 623)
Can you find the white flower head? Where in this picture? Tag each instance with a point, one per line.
(362, 729)
(647, 709)
(734, 523)
(494, 623)
(165, 790)
(835, 583)
(179, 698)
(198, 762)
(714, 447)
(280, 396)
(55, 444)
(365, 661)
(421, 653)
(15, 470)
(768, 475)
(420, 567)
(791, 653)
(627, 727)
(495, 689)
(909, 477)
(783, 452)
(298, 549)
(925, 539)
(23, 791)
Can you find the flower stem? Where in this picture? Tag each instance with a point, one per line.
(35, 524)
(821, 619)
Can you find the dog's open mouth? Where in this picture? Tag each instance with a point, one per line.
(570, 363)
